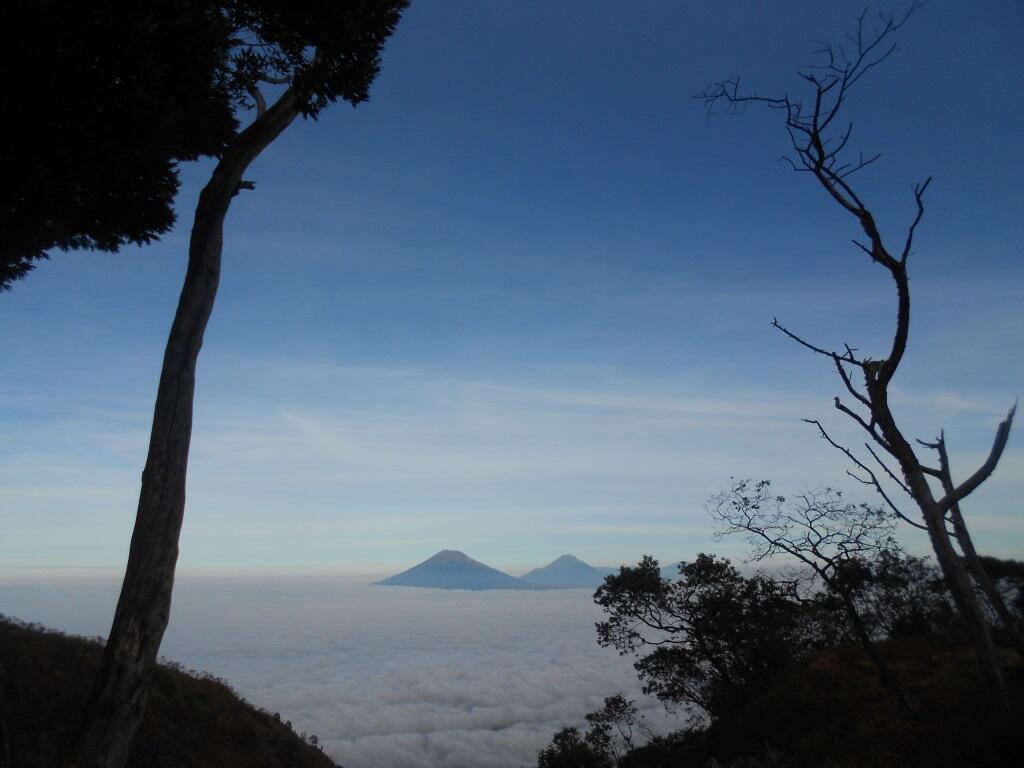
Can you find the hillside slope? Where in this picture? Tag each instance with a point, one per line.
(190, 721)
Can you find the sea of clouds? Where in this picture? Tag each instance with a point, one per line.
(386, 677)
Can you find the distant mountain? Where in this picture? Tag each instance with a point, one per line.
(671, 571)
(449, 569)
(567, 572)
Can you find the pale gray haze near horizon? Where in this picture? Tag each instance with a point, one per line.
(386, 677)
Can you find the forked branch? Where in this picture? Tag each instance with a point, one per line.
(960, 492)
(872, 478)
(817, 149)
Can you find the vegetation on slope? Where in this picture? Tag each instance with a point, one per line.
(831, 711)
(191, 720)
(870, 669)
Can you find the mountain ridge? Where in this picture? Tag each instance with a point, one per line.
(453, 569)
(567, 572)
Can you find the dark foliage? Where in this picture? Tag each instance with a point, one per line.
(895, 595)
(616, 725)
(325, 50)
(609, 736)
(571, 749)
(190, 720)
(1003, 569)
(847, 562)
(832, 712)
(825, 704)
(108, 105)
(1008, 579)
(710, 638)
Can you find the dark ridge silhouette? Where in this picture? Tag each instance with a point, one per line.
(190, 720)
(450, 569)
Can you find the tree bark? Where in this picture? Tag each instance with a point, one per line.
(974, 564)
(119, 692)
(962, 589)
(955, 574)
(977, 568)
(958, 580)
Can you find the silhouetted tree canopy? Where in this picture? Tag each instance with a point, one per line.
(610, 735)
(783, 679)
(571, 749)
(846, 548)
(111, 95)
(710, 638)
(107, 103)
(896, 595)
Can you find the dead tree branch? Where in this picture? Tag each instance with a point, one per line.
(818, 149)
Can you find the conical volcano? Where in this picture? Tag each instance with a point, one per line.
(567, 572)
(451, 569)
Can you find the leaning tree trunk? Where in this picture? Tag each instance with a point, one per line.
(954, 572)
(977, 569)
(118, 696)
(958, 580)
(974, 563)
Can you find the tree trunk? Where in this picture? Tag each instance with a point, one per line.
(119, 692)
(976, 567)
(5, 733)
(962, 589)
(957, 579)
(963, 538)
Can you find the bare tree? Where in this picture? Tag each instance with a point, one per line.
(823, 532)
(974, 563)
(819, 138)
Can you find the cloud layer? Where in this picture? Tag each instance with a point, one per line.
(385, 676)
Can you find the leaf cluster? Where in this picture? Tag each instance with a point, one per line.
(112, 95)
(709, 638)
(894, 594)
(779, 676)
(571, 749)
(324, 50)
(107, 105)
(611, 734)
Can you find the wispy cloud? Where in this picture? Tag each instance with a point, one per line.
(318, 462)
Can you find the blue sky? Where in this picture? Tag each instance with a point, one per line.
(518, 303)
